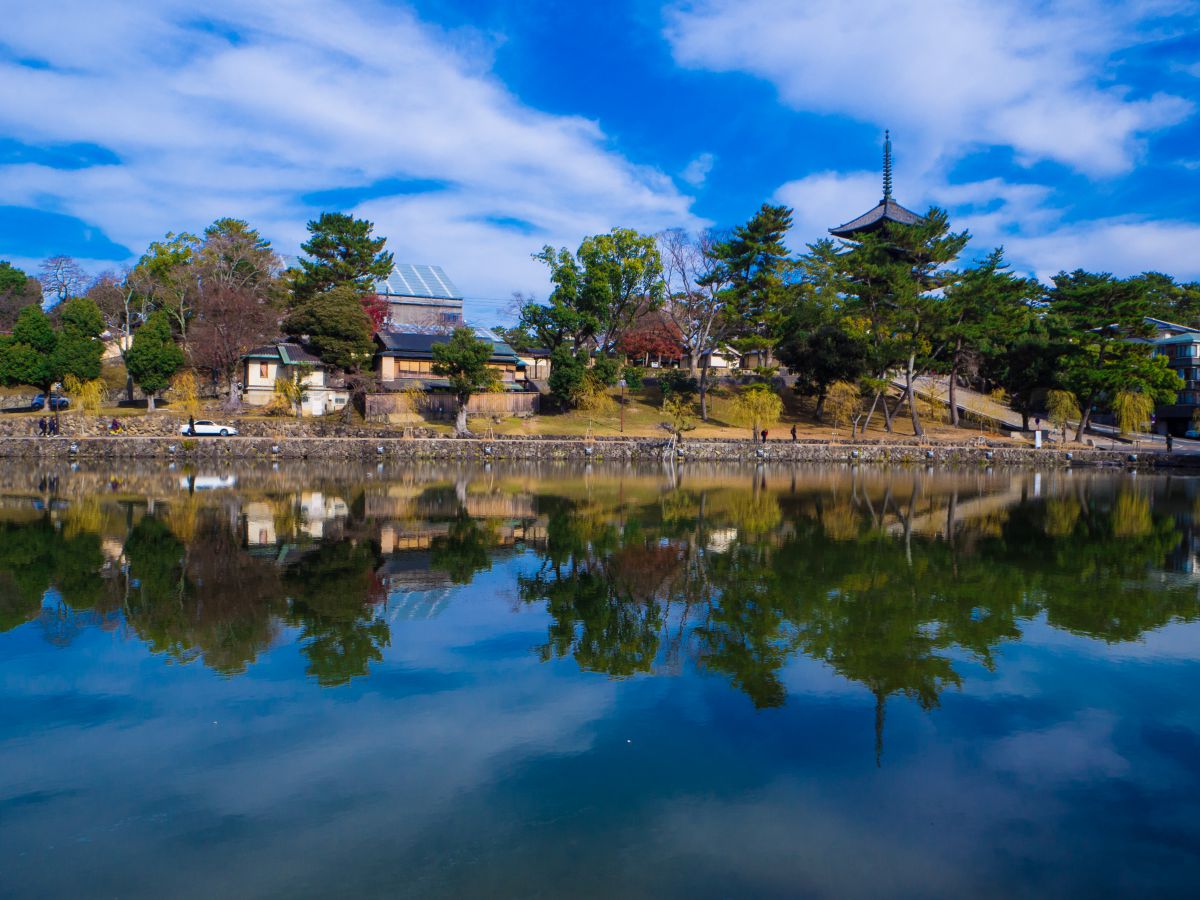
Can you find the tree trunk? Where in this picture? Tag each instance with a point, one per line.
(150, 402)
(820, 410)
(693, 364)
(1086, 419)
(888, 413)
(460, 420)
(870, 413)
(704, 393)
(953, 384)
(128, 387)
(918, 431)
(1024, 420)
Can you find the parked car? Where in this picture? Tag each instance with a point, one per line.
(205, 427)
(57, 401)
(1192, 434)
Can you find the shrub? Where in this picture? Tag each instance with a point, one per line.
(677, 383)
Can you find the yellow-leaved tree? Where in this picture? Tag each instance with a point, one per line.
(757, 408)
(88, 395)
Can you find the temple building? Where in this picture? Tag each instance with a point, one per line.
(887, 210)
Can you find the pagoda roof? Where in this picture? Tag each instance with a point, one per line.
(888, 210)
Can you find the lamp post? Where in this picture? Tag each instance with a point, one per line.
(621, 384)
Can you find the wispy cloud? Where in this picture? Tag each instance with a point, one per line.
(255, 105)
(951, 74)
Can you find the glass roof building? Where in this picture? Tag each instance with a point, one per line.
(422, 296)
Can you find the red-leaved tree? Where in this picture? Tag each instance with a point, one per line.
(377, 309)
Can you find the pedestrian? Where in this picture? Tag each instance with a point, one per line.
(54, 426)
(764, 435)
(191, 425)
(1170, 442)
(42, 426)
(793, 433)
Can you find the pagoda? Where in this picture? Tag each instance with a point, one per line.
(888, 210)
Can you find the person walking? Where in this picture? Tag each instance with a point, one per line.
(42, 426)
(764, 435)
(793, 433)
(1170, 442)
(192, 425)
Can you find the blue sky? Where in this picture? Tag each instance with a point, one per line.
(474, 132)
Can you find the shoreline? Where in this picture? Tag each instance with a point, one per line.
(606, 448)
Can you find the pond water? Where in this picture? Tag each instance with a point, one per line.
(561, 681)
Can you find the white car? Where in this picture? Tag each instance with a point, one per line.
(203, 426)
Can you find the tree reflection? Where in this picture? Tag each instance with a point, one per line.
(882, 606)
(37, 557)
(204, 599)
(334, 592)
(891, 582)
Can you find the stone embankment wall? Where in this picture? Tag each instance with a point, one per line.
(77, 426)
(391, 448)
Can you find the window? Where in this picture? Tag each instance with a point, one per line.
(262, 370)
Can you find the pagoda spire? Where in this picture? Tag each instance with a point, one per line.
(887, 166)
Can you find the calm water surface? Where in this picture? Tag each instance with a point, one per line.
(566, 682)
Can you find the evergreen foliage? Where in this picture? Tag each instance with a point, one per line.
(342, 251)
(154, 357)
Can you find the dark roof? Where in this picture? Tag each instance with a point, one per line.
(887, 210)
(419, 344)
(287, 352)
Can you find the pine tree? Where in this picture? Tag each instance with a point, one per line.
(755, 263)
(341, 251)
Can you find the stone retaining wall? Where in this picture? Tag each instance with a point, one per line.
(376, 448)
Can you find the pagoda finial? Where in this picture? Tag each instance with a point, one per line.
(887, 166)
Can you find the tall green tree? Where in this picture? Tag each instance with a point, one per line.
(893, 278)
(1105, 327)
(463, 360)
(154, 356)
(598, 292)
(78, 349)
(985, 311)
(755, 264)
(342, 250)
(1170, 300)
(335, 325)
(27, 357)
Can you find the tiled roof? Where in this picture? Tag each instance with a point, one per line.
(287, 352)
(886, 211)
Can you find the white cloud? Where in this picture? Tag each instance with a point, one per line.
(697, 170)
(304, 97)
(947, 74)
